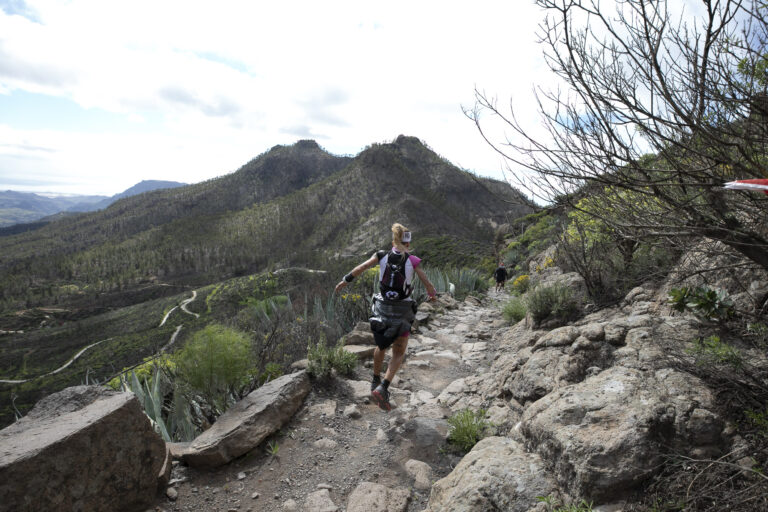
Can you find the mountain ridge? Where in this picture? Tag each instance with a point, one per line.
(293, 205)
(24, 211)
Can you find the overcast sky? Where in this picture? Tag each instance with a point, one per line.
(97, 95)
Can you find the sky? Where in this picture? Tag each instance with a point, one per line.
(97, 95)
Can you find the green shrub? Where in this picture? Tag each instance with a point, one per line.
(514, 310)
(324, 359)
(704, 302)
(520, 284)
(467, 428)
(757, 334)
(714, 351)
(552, 302)
(145, 371)
(214, 363)
(342, 361)
(759, 420)
(271, 372)
(319, 360)
(582, 506)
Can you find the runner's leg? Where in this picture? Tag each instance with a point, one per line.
(398, 354)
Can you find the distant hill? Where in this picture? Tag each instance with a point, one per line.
(139, 188)
(27, 207)
(22, 207)
(291, 206)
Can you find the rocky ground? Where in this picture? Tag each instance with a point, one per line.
(340, 451)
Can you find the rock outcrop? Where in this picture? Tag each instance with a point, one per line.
(83, 448)
(596, 403)
(609, 433)
(497, 474)
(247, 423)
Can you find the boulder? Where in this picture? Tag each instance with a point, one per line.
(320, 501)
(518, 337)
(247, 423)
(593, 331)
(609, 432)
(371, 497)
(360, 335)
(83, 448)
(550, 369)
(560, 337)
(361, 351)
(446, 301)
(420, 472)
(472, 300)
(496, 475)
(426, 307)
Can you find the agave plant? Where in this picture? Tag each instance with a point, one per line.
(458, 282)
(174, 424)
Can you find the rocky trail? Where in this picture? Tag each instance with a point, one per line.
(588, 410)
(340, 452)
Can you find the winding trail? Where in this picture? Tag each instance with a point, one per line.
(167, 315)
(186, 302)
(173, 339)
(57, 370)
(82, 351)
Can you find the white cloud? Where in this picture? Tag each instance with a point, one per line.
(230, 81)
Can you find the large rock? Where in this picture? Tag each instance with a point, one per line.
(360, 335)
(372, 497)
(320, 501)
(608, 433)
(83, 448)
(496, 475)
(251, 420)
(361, 351)
(545, 371)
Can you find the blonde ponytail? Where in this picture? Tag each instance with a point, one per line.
(397, 236)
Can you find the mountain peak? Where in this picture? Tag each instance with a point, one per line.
(302, 145)
(408, 140)
(307, 144)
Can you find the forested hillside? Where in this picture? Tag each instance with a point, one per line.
(291, 206)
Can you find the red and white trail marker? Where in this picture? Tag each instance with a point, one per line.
(759, 185)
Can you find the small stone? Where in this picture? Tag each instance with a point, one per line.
(194, 489)
(255, 496)
(352, 411)
(241, 476)
(172, 493)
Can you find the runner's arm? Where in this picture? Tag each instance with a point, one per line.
(430, 289)
(370, 262)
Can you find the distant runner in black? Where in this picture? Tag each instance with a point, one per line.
(501, 276)
(393, 308)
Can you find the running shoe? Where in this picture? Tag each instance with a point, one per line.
(380, 396)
